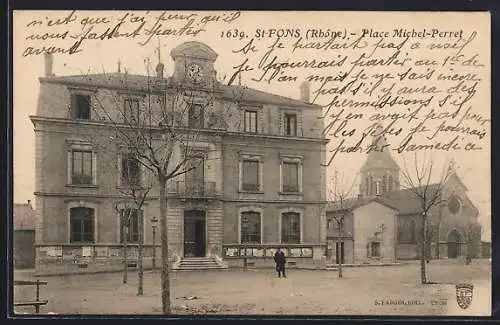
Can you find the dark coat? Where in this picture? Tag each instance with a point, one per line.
(279, 258)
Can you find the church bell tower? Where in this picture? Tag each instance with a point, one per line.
(380, 172)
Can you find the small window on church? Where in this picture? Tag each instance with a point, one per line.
(377, 188)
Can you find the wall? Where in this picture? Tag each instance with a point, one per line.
(24, 249)
(348, 251)
(367, 221)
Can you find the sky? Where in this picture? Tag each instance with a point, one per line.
(99, 56)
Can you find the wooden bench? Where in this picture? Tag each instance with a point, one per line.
(35, 303)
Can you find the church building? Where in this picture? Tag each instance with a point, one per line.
(383, 223)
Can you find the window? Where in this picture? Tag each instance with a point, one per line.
(385, 184)
(195, 177)
(250, 175)
(80, 106)
(291, 124)
(81, 225)
(81, 167)
(377, 188)
(375, 249)
(290, 176)
(453, 204)
(250, 227)
(130, 225)
(195, 116)
(389, 183)
(131, 170)
(290, 228)
(131, 111)
(250, 121)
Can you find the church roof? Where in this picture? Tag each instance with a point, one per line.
(142, 83)
(404, 201)
(24, 216)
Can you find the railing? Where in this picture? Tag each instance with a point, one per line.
(37, 302)
(193, 190)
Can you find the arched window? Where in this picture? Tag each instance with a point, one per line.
(250, 227)
(390, 183)
(82, 225)
(130, 224)
(290, 228)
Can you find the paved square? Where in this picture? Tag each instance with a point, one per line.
(393, 290)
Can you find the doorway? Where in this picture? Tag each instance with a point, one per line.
(194, 233)
(453, 244)
(339, 253)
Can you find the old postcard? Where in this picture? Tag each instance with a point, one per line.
(255, 163)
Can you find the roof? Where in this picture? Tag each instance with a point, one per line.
(356, 202)
(245, 94)
(404, 201)
(379, 159)
(24, 216)
(126, 81)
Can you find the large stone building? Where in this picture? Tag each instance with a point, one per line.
(260, 181)
(383, 223)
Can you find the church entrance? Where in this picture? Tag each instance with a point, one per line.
(453, 244)
(194, 233)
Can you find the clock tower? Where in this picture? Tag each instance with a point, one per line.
(194, 65)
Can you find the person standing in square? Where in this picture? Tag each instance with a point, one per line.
(279, 259)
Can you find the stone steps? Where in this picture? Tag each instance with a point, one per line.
(198, 263)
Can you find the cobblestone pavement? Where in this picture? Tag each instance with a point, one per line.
(390, 290)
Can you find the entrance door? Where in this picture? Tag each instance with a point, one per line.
(339, 252)
(453, 244)
(194, 233)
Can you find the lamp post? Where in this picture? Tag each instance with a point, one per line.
(154, 221)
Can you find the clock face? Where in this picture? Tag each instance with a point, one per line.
(195, 72)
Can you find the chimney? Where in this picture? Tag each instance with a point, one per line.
(159, 70)
(49, 62)
(304, 91)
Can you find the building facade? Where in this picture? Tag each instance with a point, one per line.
(256, 180)
(383, 223)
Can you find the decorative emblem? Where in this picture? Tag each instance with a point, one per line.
(195, 72)
(464, 295)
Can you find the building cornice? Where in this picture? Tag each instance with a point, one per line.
(64, 122)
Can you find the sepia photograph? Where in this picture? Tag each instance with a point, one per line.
(251, 163)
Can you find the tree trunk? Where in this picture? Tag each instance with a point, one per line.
(140, 270)
(339, 249)
(437, 239)
(125, 262)
(423, 278)
(124, 230)
(165, 280)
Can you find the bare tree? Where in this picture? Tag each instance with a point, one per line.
(161, 124)
(136, 188)
(342, 195)
(420, 180)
